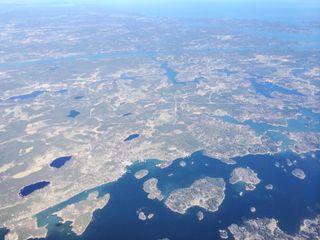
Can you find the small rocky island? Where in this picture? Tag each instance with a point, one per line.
(200, 215)
(150, 187)
(223, 234)
(299, 173)
(269, 186)
(141, 173)
(245, 175)
(143, 217)
(207, 193)
(182, 163)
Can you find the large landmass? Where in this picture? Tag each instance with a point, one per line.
(109, 89)
(80, 213)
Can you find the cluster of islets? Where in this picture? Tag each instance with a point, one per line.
(143, 216)
(207, 193)
(266, 228)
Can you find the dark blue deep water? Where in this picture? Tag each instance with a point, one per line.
(33, 187)
(290, 201)
(3, 232)
(60, 161)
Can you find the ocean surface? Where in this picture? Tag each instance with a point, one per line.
(290, 201)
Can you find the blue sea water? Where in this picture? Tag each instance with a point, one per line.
(301, 124)
(27, 190)
(60, 161)
(276, 136)
(306, 121)
(290, 201)
(3, 232)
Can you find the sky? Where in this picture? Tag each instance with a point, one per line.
(307, 9)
